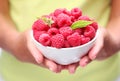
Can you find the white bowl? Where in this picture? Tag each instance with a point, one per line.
(65, 56)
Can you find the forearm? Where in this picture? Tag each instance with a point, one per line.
(114, 22)
(114, 29)
(8, 33)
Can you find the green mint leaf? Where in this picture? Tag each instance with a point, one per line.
(80, 24)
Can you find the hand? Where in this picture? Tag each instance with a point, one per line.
(25, 51)
(104, 47)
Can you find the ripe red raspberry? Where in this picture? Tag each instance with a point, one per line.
(78, 30)
(55, 22)
(76, 12)
(65, 31)
(37, 34)
(40, 25)
(94, 25)
(66, 44)
(84, 18)
(89, 32)
(63, 20)
(65, 11)
(44, 39)
(53, 31)
(57, 41)
(84, 39)
(73, 19)
(57, 12)
(74, 39)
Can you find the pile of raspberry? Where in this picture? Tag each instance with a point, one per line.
(54, 30)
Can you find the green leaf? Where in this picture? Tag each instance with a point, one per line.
(47, 21)
(80, 24)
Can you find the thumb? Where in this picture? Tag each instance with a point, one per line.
(97, 47)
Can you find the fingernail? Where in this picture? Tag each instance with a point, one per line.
(85, 63)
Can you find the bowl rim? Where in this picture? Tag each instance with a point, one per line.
(66, 48)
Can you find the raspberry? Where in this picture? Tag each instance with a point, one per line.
(63, 20)
(66, 44)
(84, 39)
(57, 12)
(40, 26)
(44, 39)
(57, 41)
(65, 31)
(84, 18)
(72, 18)
(78, 30)
(37, 34)
(89, 32)
(95, 25)
(76, 12)
(74, 39)
(55, 22)
(65, 11)
(53, 31)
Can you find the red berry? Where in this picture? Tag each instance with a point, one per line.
(63, 20)
(55, 22)
(40, 26)
(65, 31)
(37, 34)
(84, 39)
(74, 39)
(53, 31)
(57, 41)
(65, 11)
(84, 18)
(78, 30)
(94, 25)
(73, 19)
(44, 39)
(89, 32)
(76, 12)
(66, 44)
(57, 12)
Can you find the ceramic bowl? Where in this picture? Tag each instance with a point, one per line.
(65, 56)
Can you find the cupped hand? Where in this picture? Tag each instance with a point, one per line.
(104, 47)
(26, 51)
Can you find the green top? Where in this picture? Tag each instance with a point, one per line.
(25, 12)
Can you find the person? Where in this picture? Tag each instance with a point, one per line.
(16, 19)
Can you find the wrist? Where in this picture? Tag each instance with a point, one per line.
(114, 36)
(8, 40)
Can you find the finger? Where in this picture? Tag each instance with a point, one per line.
(35, 53)
(84, 61)
(51, 65)
(72, 68)
(60, 67)
(32, 48)
(96, 48)
(102, 55)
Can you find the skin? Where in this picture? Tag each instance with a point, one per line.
(108, 42)
(25, 51)
(19, 43)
